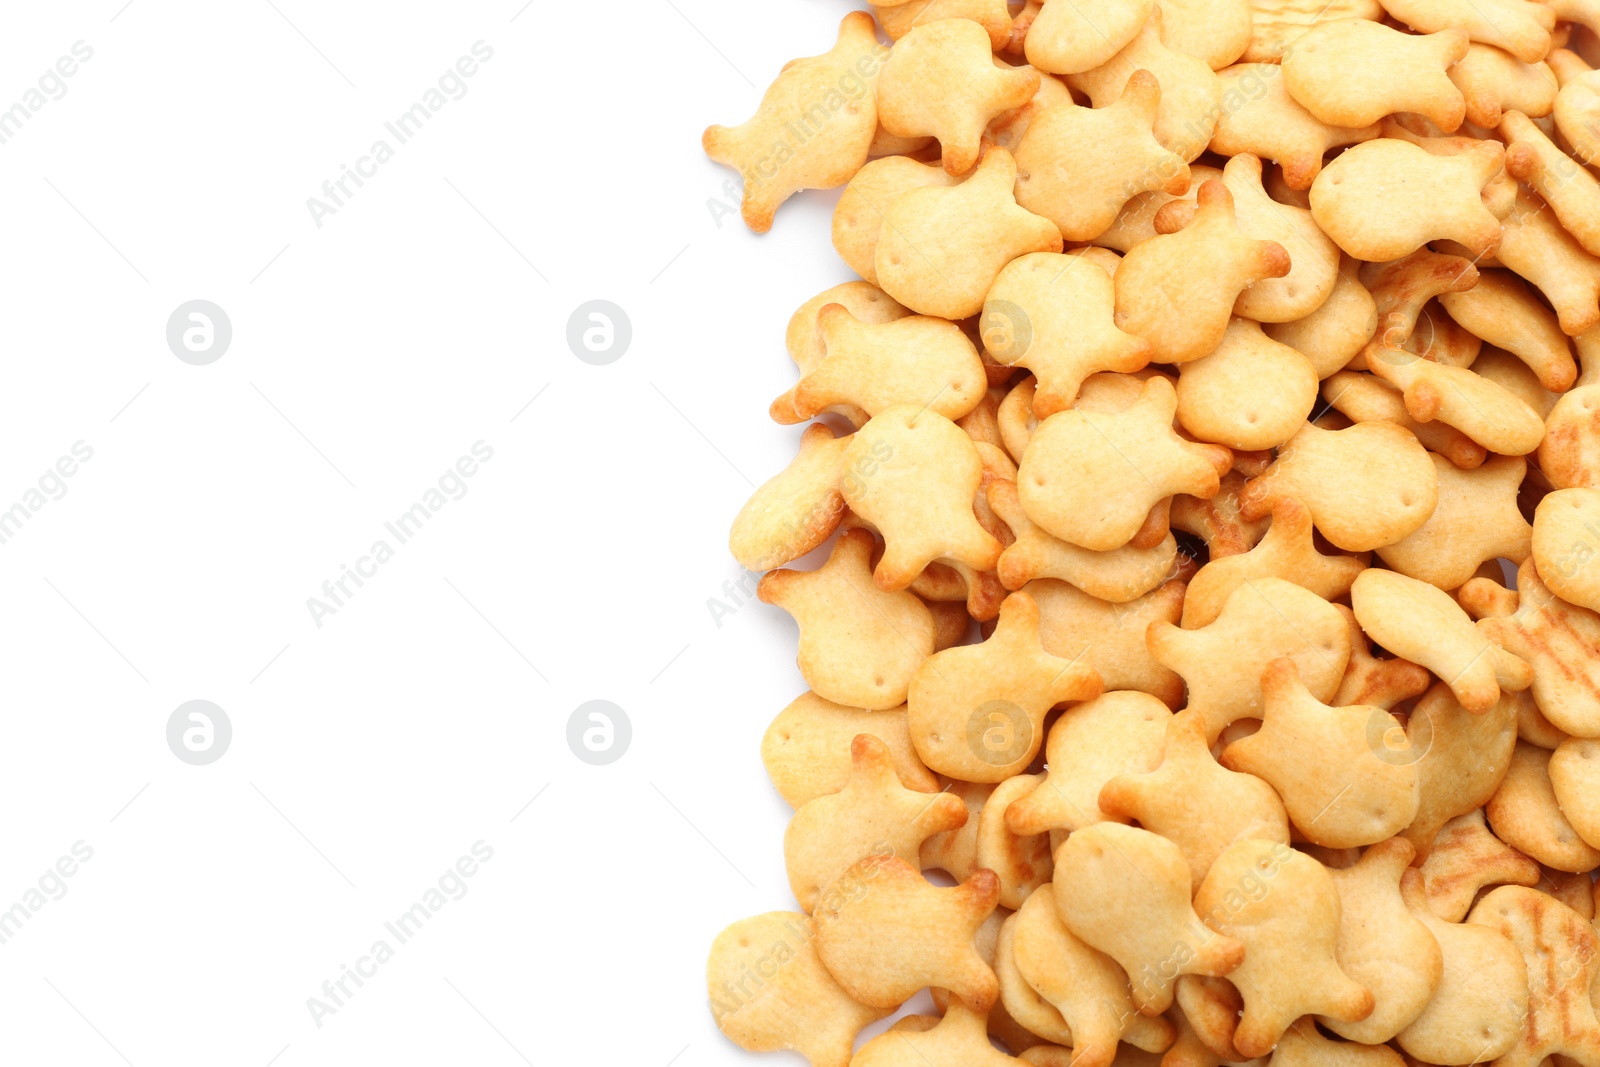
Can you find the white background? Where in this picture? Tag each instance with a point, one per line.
(367, 356)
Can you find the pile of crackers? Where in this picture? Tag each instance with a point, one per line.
(1203, 541)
